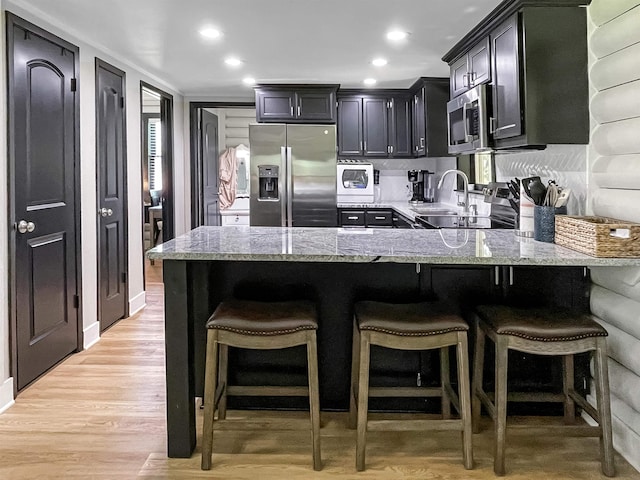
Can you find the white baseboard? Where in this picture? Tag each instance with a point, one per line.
(137, 303)
(91, 335)
(6, 394)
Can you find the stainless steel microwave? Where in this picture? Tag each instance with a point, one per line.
(468, 122)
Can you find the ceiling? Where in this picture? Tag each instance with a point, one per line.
(279, 41)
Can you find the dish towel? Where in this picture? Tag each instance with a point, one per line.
(227, 174)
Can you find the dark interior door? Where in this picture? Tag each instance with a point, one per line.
(43, 158)
(209, 159)
(111, 195)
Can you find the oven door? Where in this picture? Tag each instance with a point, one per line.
(467, 122)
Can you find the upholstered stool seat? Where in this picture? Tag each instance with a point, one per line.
(258, 325)
(415, 326)
(542, 331)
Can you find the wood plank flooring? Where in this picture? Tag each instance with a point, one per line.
(101, 415)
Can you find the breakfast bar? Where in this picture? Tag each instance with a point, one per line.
(336, 267)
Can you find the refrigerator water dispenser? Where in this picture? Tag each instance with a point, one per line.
(268, 182)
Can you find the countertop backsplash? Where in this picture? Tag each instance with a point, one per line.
(395, 186)
(566, 164)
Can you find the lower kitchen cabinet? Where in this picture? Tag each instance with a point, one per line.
(366, 217)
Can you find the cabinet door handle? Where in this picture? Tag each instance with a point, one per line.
(496, 275)
(380, 218)
(291, 110)
(421, 142)
(365, 146)
(352, 218)
(391, 148)
(504, 127)
(492, 124)
(298, 110)
(465, 82)
(361, 146)
(510, 276)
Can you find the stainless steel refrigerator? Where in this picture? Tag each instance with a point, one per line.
(293, 175)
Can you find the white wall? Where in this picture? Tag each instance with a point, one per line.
(614, 170)
(6, 382)
(88, 53)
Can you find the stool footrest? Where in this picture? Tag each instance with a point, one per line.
(423, 425)
(405, 392)
(554, 430)
(263, 424)
(534, 397)
(267, 391)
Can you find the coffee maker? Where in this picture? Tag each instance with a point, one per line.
(422, 186)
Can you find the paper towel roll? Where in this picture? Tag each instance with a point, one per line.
(526, 213)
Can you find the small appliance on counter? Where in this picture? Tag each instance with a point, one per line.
(421, 186)
(355, 181)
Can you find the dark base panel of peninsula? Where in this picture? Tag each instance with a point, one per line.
(335, 287)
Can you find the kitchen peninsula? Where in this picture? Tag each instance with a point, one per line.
(335, 267)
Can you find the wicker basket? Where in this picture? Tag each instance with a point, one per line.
(598, 236)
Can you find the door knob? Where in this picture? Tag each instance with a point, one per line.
(105, 212)
(26, 227)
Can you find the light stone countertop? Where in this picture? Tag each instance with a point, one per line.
(370, 245)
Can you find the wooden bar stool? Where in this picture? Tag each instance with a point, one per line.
(265, 326)
(542, 331)
(414, 326)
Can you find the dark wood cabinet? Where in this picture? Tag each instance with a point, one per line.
(400, 127)
(538, 80)
(296, 103)
(375, 125)
(429, 117)
(505, 69)
(371, 217)
(471, 69)
(350, 142)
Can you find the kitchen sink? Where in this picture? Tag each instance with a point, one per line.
(453, 221)
(431, 211)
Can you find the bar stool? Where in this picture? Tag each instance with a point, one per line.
(265, 326)
(542, 331)
(414, 326)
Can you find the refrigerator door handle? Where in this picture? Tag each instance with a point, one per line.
(289, 188)
(284, 194)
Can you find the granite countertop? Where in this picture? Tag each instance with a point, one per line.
(369, 245)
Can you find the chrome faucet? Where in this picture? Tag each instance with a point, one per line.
(465, 182)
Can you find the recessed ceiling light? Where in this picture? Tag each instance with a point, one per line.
(369, 81)
(249, 81)
(233, 61)
(379, 62)
(210, 32)
(396, 35)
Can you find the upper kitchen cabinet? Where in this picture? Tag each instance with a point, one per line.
(471, 69)
(296, 103)
(538, 83)
(429, 96)
(374, 125)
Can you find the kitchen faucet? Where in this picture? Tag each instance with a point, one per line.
(465, 182)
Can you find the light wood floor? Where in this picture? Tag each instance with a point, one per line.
(101, 415)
